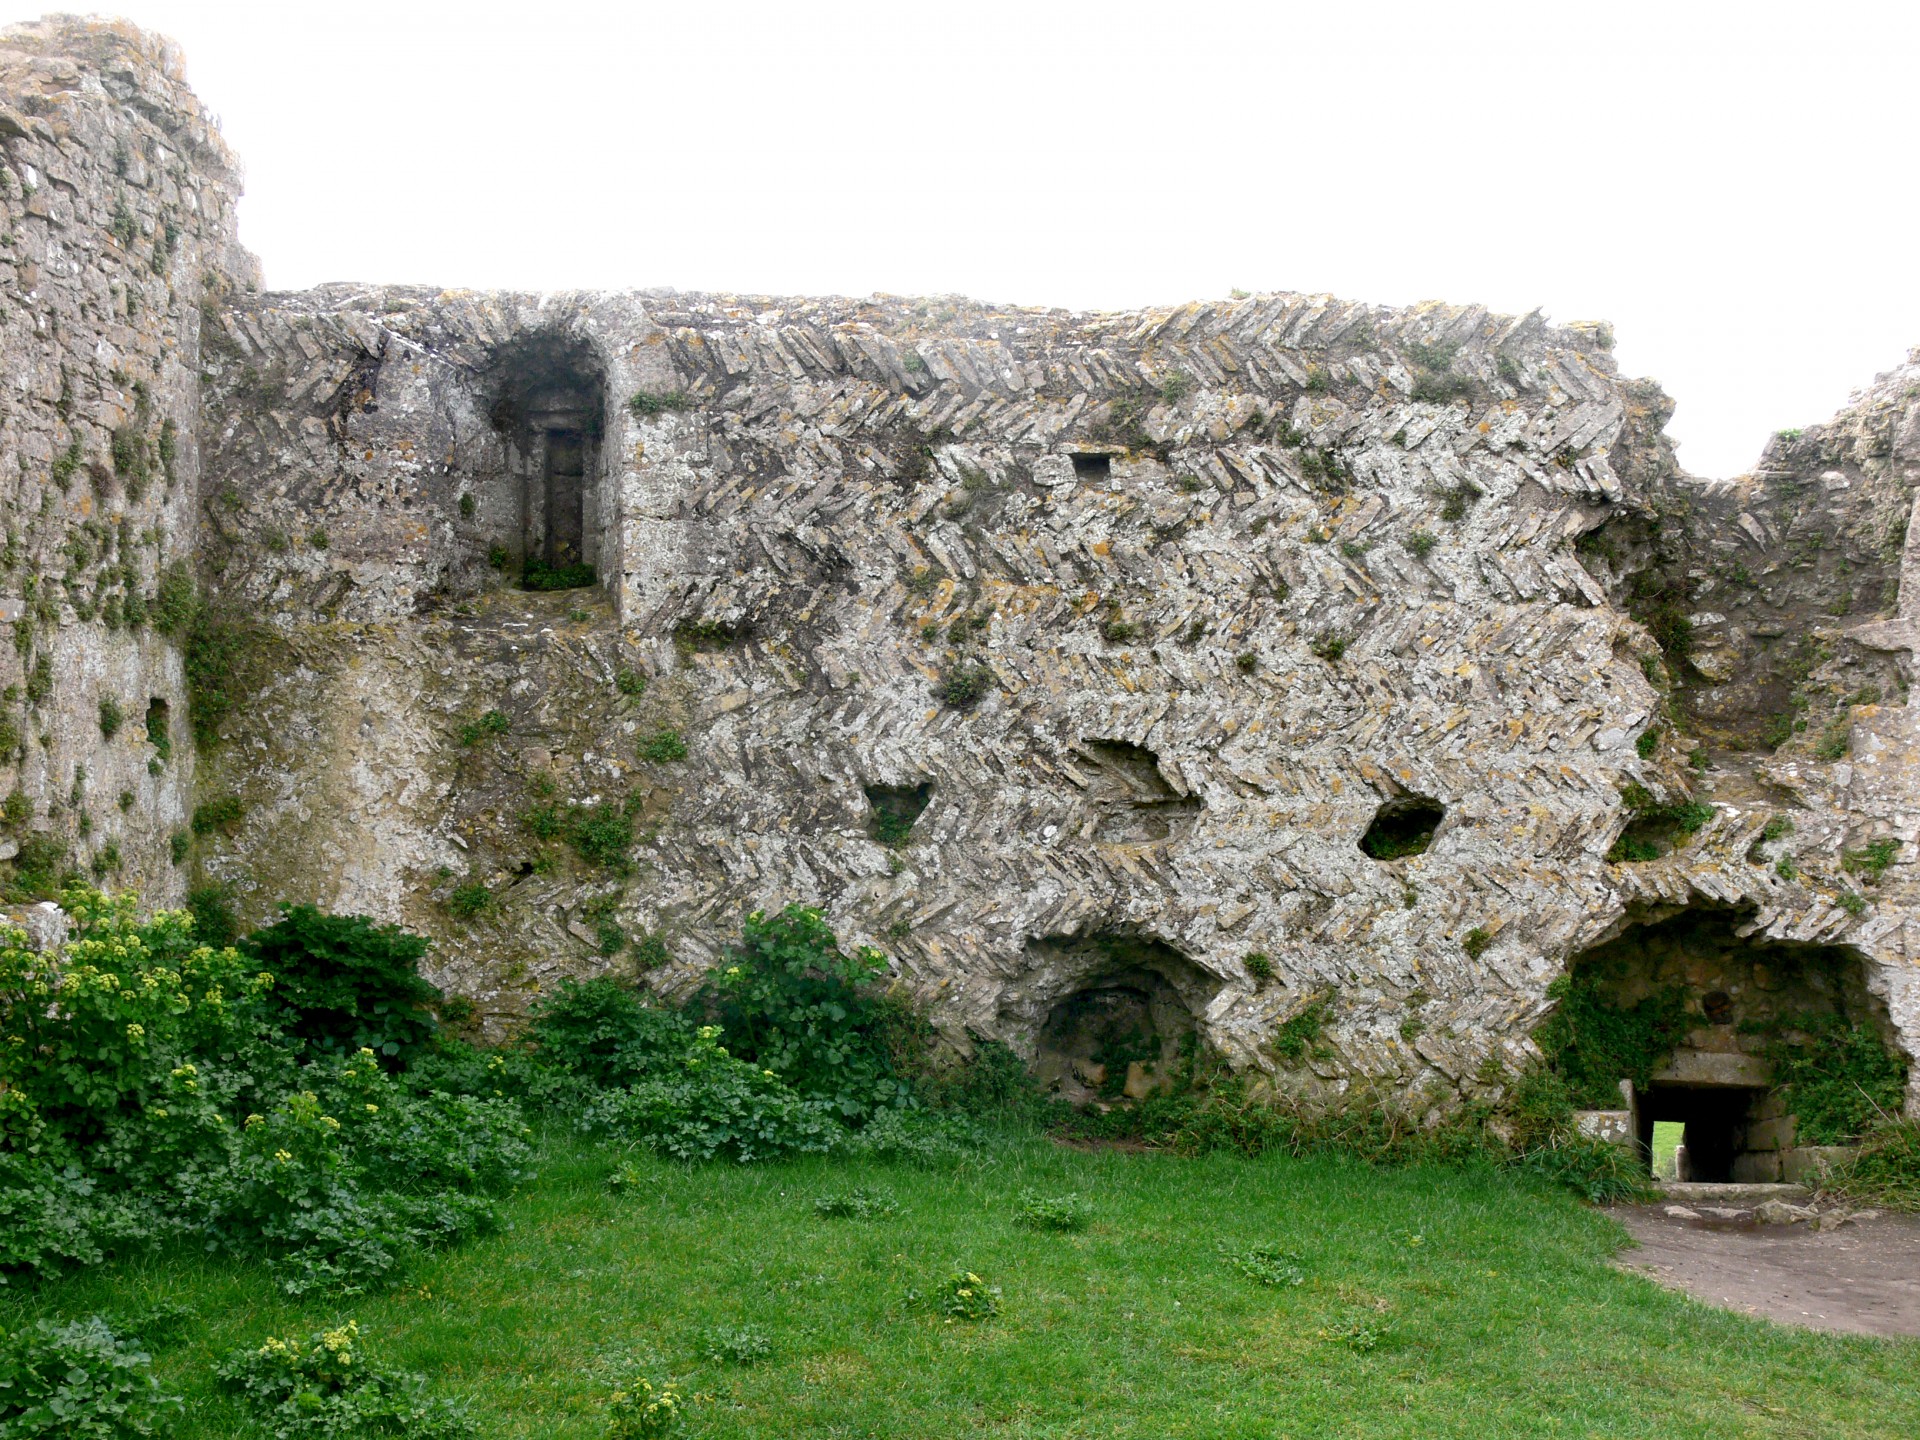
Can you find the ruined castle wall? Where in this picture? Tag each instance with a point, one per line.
(117, 227)
(1294, 588)
(1154, 613)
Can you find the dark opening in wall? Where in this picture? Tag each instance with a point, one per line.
(548, 405)
(1714, 1121)
(159, 723)
(1765, 1051)
(1111, 1015)
(894, 809)
(1132, 801)
(1403, 826)
(1092, 467)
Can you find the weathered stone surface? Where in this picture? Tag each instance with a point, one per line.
(116, 229)
(1155, 613)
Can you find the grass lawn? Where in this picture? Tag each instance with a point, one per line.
(1500, 1314)
(1666, 1140)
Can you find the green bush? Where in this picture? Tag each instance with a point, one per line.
(1061, 1213)
(341, 982)
(1592, 1043)
(538, 575)
(640, 1410)
(663, 747)
(336, 1186)
(602, 1031)
(1886, 1170)
(790, 1001)
(1268, 1264)
(79, 1381)
(857, 1204)
(602, 836)
(710, 1105)
(1838, 1078)
(325, 1388)
(963, 1295)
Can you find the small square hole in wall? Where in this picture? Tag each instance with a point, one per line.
(1092, 467)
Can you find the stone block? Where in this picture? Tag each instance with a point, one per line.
(1709, 1069)
(1776, 1134)
(1810, 1164)
(1757, 1167)
(1613, 1126)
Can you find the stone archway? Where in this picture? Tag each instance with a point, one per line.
(1737, 1000)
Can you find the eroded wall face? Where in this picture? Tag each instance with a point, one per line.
(1159, 611)
(118, 228)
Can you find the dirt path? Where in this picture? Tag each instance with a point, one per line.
(1863, 1277)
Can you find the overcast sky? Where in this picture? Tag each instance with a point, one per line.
(1733, 185)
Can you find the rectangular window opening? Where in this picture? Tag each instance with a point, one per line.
(1092, 467)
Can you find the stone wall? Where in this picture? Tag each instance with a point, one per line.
(118, 228)
(1155, 611)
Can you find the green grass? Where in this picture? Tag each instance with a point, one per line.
(1666, 1140)
(1501, 1315)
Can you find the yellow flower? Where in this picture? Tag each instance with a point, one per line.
(373, 1109)
(135, 1032)
(283, 1156)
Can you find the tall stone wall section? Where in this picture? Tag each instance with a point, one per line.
(1331, 561)
(116, 228)
(1156, 611)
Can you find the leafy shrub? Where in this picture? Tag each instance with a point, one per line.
(630, 682)
(791, 1001)
(915, 1137)
(1293, 1036)
(469, 900)
(1838, 1078)
(602, 835)
(640, 1410)
(1476, 942)
(1063, 1213)
(1593, 1043)
(112, 716)
(857, 1204)
(79, 1381)
(492, 723)
(538, 575)
(963, 1295)
(336, 1185)
(322, 1387)
(963, 686)
(1259, 966)
(222, 813)
(1871, 860)
(646, 404)
(1420, 543)
(1886, 1170)
(1267, 1264)
(1601, 1172)
(601, 1030)
(341, 982)
(735, 1344)
(710, 1105)
(1361, 1336)
(662, 747)
(211, 907)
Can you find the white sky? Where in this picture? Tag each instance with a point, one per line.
(1733, 185)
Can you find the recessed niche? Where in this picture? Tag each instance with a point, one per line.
(1132, 801)
(1403, 826)
(1092, 467)
(548, 402)
(894, 808)
(1113, 1015)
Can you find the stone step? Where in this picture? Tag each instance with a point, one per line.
(1731, 1196)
